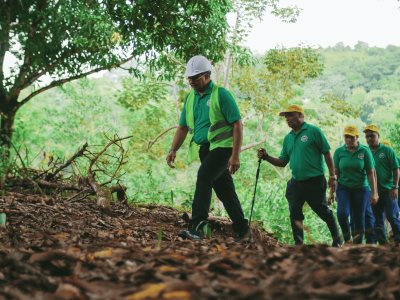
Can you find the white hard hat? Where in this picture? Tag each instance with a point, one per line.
(196, 65)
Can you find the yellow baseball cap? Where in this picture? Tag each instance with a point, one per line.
(351, 130)
(387, 143)
(292, 108)
(371, 127)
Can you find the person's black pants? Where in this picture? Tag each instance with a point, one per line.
(213, 174)
(312, 191)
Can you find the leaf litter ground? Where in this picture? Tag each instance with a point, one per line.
(54, 249)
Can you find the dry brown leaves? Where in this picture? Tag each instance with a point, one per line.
(53, 249)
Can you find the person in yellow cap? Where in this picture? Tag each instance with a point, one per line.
(304, 147)
(355, 170)
(389, 144)
(386, 143)
(387, 171)
(212, 118)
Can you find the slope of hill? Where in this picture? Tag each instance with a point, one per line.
(58, 249)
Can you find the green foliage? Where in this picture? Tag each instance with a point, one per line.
(3, 219)
(135, 95)
(245, 12)
(290, 67)
(391, 132)
(248, 10)
(365, 78)
(301, 62)
(207, 231)
(67, 40)
(68, 37)
(272, 82)
(243, 56)
(340, 106)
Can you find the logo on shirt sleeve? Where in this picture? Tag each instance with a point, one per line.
(361, 156)
(304, 138)
(382, 155)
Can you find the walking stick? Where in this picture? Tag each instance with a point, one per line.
(255, 189)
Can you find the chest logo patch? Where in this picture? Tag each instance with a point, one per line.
(382, 155)
(208, 103)
(304, 138)
(361, 156)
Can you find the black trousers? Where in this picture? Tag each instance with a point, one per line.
(213, 174)
(312, 191)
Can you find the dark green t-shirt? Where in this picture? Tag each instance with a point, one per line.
(304, 151)
(201, 112)
(385, 162)
(352, 166)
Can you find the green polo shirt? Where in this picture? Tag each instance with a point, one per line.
(304, 151)
(385, 162)
(201, 106)
(353, 165)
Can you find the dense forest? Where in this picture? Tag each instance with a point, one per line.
(337, 86)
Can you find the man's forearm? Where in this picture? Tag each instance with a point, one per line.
(179, 137)
(237, 137)
(372, 180)
(396, 176)
(329, 163)
(275, 161)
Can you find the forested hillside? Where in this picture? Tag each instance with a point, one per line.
(351, 86)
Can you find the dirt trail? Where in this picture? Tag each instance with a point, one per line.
(53, 249)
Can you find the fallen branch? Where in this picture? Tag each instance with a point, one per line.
(68, 162)
(56, 185)
(99, 162)
(249, 146)
(151, 143)
(121, 193)
(85, 191)
(112, 142)
(103, 193)
(187, 217)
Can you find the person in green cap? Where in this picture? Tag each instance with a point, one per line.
(387, 171)
(211, 116)
(305, 147)
(355, 168)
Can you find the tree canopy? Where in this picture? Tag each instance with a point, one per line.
(53, 42)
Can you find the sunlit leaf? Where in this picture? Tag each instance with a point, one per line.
(152, 291)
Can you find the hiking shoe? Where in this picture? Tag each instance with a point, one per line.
(195, 233)
(337, 243)
(190, 235)
(244, 235)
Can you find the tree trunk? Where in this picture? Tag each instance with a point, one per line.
(228, 60)
(228, 54)
(6, 129)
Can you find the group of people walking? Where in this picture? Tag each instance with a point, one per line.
(364, 178)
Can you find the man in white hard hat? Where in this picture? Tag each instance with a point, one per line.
(212, 117)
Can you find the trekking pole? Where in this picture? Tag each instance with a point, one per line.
(255, 189)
